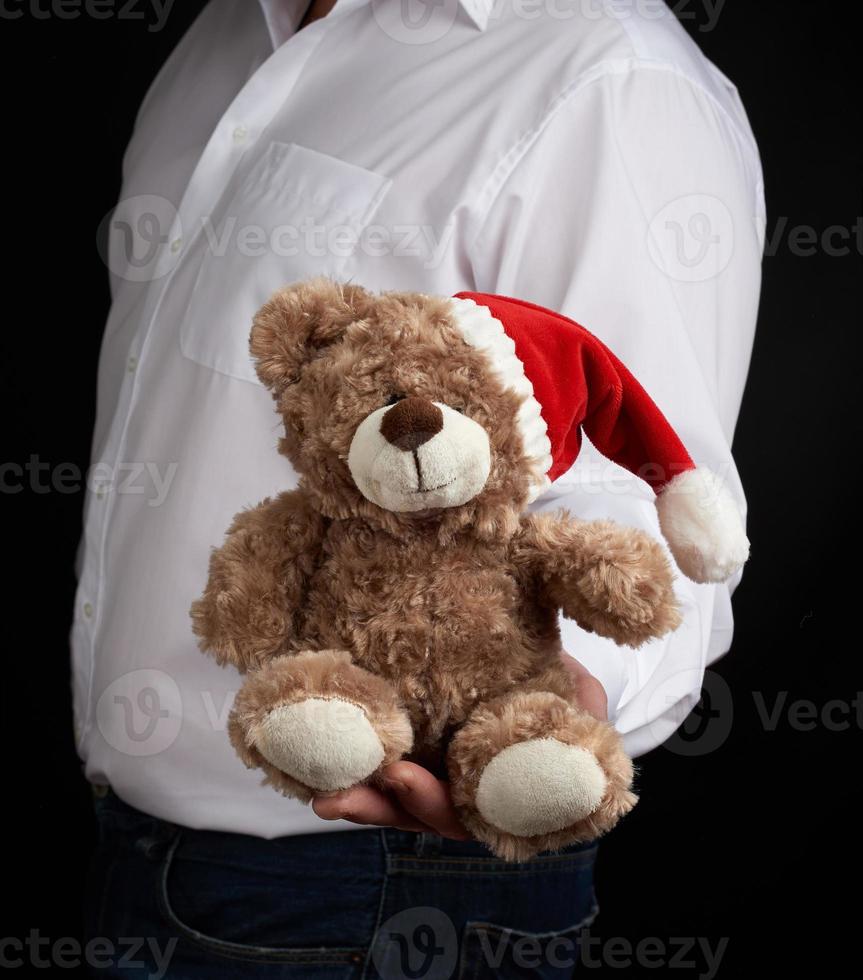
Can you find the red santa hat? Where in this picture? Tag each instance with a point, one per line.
(570, 381)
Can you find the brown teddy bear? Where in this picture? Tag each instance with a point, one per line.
(402, 602)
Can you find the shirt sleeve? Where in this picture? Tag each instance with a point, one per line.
(635, 207)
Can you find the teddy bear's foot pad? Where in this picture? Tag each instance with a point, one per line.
(540, 786)
(532, 772)
(326, 744)
(315, 723)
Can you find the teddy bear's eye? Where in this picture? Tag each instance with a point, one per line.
(393, 399)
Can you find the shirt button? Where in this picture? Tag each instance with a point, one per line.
(88, 610)
(131, 364)
(240, 133)
(176, 244)
(100, 491)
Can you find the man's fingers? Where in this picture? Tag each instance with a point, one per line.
(591, 693)
(366, 806)
(419, 803)
(425, 797)
(592, 697)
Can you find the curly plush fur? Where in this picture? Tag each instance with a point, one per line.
(440, 625)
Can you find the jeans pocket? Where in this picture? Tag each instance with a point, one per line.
(225, 908)
(452, 909)
(491, 951)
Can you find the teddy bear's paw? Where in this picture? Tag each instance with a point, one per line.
(540, 786)
(629, 596)
(530, 772)
(326, 744)
(316, 723)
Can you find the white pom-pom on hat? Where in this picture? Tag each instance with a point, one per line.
(702, 525)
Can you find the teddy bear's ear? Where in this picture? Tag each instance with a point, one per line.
(300, 320)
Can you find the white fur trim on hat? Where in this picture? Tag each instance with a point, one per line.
(702, 525)
(485, 332)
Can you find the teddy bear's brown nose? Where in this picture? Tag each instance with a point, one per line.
(411, 422)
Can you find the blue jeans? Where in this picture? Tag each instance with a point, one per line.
(165, 901)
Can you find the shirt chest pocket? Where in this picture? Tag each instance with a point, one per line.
(296, 214)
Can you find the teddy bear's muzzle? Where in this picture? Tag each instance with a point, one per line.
(419, 455)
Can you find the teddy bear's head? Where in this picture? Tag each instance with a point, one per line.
(388, 412)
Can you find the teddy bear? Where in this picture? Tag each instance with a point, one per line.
(402, 602)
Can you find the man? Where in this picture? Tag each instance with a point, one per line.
(583, 156)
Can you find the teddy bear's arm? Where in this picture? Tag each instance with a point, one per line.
(612, 580)
(258, 581)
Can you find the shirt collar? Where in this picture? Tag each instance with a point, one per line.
(283, 16)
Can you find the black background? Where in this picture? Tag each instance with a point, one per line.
(746, 830)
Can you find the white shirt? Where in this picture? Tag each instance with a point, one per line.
(588, 159)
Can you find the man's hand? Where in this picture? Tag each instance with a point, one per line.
(417, 800)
